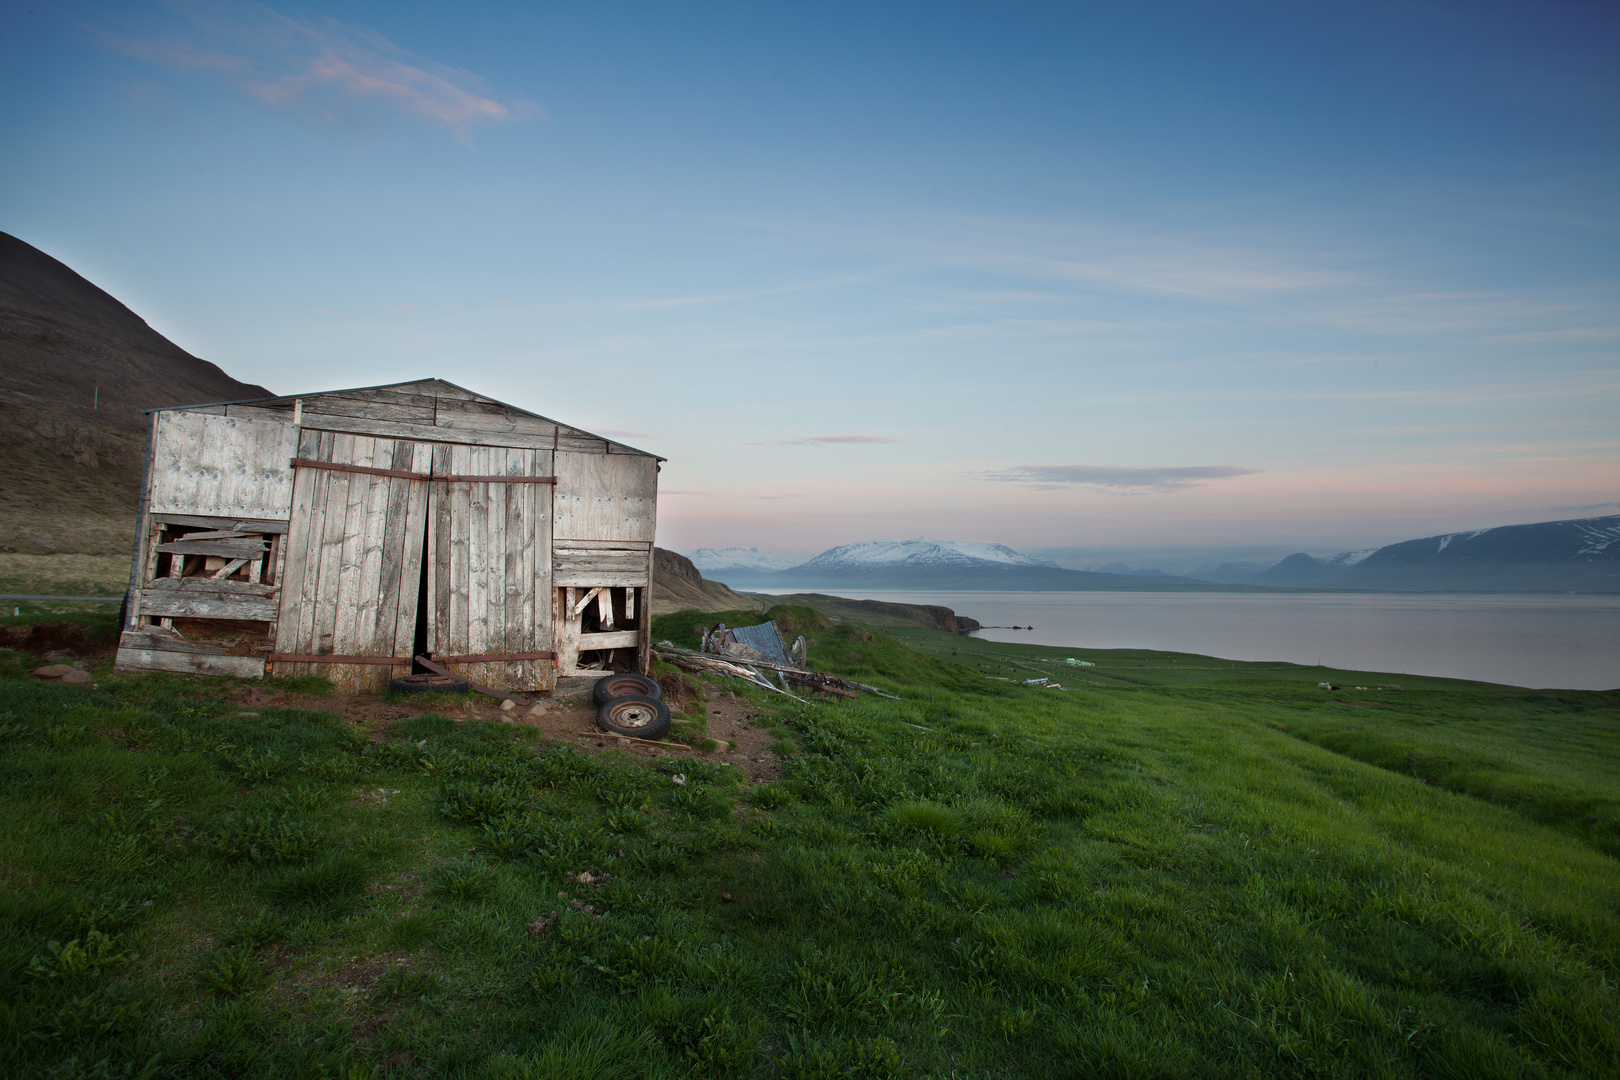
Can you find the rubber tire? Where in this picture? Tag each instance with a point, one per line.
(608, 714)
(429, 684)
(625, 685)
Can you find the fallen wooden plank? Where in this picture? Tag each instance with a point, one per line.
(242, 667)
(600, 734)
(439, 670)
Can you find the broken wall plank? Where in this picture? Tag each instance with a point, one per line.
(211, 604)
(618, 639)
(246, 525)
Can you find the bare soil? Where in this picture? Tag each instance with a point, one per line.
(557, 718)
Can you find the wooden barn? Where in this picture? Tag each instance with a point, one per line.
(343, 534)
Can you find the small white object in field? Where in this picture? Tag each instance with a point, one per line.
(680, 779)
(508, 705)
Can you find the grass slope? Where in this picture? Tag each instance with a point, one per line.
(1178, 869)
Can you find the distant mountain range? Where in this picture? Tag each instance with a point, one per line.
(1578, 555)
(928, 564)
(1554, 556)
(744, 559)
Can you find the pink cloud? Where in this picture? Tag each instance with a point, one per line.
(824, 440)
(319, 65)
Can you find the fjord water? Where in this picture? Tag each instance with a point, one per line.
(1541, 640)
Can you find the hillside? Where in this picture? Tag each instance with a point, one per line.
(76, 369)
(1175, 867)
(677, 585)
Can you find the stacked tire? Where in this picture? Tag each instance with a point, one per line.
(631, 705)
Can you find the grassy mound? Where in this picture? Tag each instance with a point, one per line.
(1180, 867)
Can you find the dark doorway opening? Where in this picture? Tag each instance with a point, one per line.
(419, 635)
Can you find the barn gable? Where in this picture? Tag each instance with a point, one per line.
(345, 533)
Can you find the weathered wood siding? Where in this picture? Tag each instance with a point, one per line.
(353, 559)
(221, 466)
(489, 576)
(618, 563)
(606, 497)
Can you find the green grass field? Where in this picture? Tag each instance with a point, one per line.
(1180, 867)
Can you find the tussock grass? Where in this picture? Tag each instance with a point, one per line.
(1181, 868)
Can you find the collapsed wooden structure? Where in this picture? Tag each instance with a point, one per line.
(341, 534)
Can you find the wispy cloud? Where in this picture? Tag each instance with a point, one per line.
(730, 495)
(1606, 506)
(317, 65)
(824, 440)
(1118, 477)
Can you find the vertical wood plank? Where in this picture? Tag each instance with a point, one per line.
(374, 619)
(460, 554)
(329, 560)
(494, 464)
(542, 633)
(390, 555)
(346, 603)
(526, 673)
(412, 530)
(295, 590)
(440, 571)
(477, 532)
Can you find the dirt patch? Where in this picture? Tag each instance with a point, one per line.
(570, 718)
(573, 720)
(41, 638)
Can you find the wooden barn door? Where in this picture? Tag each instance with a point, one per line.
(489, 565)
(354, 558)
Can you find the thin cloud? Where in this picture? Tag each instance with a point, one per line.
(824, 440)
(319, 66)
(1581, 509)
(1117, 477)
(729, 495)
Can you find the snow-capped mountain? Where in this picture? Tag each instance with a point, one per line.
(1580, 555)
(920, 552)
(935, 564)
(746, 558)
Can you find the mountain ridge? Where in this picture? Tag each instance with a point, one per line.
(76, 368)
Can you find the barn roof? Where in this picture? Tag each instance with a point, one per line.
(431, 410)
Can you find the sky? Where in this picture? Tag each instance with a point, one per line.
(1082, 277)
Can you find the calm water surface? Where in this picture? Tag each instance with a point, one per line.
(1569, 642)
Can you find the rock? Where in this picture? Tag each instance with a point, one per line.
(537, 710)
(75, 677)
(721, 746)
(507, 705)
(52, 671)
(61, 656)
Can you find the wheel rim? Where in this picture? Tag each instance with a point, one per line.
(634, 715)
